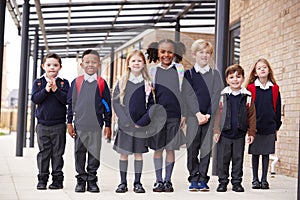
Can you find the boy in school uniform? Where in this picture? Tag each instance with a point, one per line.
(236, 117)
(89, 104)
(207, 85)
(48, 92)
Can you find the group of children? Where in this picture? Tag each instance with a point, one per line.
(153, 104)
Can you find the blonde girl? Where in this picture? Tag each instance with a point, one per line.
(131, 102)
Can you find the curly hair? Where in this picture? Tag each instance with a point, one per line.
(152, 50)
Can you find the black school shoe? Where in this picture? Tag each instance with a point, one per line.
(42, 185)
(158, 187)
(55, 185)
(92, 187)
(265, 185)
(238, 188)
(168, 186)
(122, 188)
(222, 188)
(80, 186)
(138, 188)
(256, 184)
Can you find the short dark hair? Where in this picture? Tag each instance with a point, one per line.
(90, 51)
(52, 55)
(234, 68)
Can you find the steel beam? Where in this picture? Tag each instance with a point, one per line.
(2, 25)
(34, 76)
(26, 94)
(22, 81)
(41, 22)
(104, 9)
(113, 3)
(221, 52)
(112, 64)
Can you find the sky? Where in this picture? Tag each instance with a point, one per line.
(13, 52)
(13, 56)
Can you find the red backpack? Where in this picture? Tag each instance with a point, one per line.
(100, 81)
(101, 85)
(275, 91)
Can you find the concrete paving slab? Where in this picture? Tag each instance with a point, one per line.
(18, 179)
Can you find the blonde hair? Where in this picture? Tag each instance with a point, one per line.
(124, 79)
(252, 76)
(200, 45)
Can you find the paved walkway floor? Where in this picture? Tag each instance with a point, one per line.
(18, 179)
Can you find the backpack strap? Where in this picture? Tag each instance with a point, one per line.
(101, 85)
(275, 93)
(100, 81)
(248, 101)
(180, 71)
(221, 103)
(152, 73)
(79, 81)
(251, 87)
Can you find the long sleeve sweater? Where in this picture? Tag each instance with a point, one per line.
(51, 106)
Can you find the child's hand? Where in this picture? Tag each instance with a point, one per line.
(216, 137)
(202, 119)
(48, 86)
(53, 85)
(250, 139)
(107, 133)
(207, 117)
(71, 130)
(182, 122)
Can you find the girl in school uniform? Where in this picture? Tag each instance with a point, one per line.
(167, 78)
(266, 96)
(132, 99)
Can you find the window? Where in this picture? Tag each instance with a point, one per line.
(234, 44)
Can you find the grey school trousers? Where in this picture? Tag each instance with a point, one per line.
(51, 141)
(199, 141)
(87, 146)
(230, 150)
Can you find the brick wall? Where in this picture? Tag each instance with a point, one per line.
(271, 29)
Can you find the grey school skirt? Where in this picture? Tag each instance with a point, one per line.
(262, 145)
(170, 137)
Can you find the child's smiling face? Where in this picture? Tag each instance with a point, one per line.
(203, 57)
(166, 53)
(235, 81)
(90, 64)
(136, 64)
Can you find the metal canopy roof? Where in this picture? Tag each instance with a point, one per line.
(68, 27)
